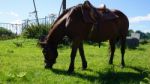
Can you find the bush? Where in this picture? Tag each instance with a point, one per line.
(35, 31)
(144, 42)
(6, 34)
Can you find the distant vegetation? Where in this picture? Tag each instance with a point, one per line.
(35, 31)
(142, 34)
(6, 34)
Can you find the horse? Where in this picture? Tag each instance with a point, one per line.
(85, 22)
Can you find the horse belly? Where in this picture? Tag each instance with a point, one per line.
(78, 29)
(104, 33)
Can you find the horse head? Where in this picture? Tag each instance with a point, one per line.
(49, 51)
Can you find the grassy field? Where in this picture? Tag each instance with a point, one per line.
(23, 64)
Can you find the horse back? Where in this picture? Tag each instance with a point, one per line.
(111, 29)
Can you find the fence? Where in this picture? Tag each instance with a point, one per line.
(46, 20)
(17, 28)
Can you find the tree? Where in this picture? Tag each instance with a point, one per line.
(130, 31)
(142, 34)
(148, 35)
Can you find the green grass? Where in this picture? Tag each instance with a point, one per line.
(24, 65)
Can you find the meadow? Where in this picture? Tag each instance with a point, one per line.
(21, 62)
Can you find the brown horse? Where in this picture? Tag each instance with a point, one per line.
(84, 22)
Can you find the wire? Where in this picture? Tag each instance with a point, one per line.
(60, 8)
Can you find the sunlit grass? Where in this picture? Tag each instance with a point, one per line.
(24, 64)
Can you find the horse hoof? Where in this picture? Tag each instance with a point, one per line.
(122, 66)
(84, 66)
(110, 62)
(70, 70)
(48, 67)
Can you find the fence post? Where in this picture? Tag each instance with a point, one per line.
(45, 21)
(27, 23)
(16, 29)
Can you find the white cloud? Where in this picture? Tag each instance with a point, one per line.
(0, 13)
(138, 19)
(10, 13)
(14, 14)
(18, 21)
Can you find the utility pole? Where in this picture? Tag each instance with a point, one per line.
(35, 11)
(64, 5)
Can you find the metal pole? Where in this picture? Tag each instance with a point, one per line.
(64, 5)
(36, 15)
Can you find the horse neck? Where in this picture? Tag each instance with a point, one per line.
(56, 34)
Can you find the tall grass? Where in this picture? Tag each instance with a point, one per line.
(6, 34)
(24, 65)
(35, 31)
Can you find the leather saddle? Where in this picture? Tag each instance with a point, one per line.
(102, 12)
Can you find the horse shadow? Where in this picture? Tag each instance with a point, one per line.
(109, 76)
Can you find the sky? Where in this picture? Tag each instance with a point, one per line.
(14, 11)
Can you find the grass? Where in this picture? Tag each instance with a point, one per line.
(24, 65)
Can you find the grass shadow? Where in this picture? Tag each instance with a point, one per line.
(141, 49)
(109, 76)
(112, 77)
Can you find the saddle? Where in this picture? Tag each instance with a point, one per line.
(103, 14)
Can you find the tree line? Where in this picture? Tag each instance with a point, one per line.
(143, 35)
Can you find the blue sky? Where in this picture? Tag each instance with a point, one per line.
(14, 11)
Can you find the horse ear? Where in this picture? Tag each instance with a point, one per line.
(88, 12)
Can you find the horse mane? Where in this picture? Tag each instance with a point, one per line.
(64, 12)
(61, 15)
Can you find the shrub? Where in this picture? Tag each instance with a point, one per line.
(35, 31)
(144, 42)
(6, 34)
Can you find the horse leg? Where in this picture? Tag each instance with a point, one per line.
(123, 43)
(111, 50)
(81, 51)
(75, 46)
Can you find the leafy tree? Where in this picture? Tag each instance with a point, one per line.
(142, 34)
(130, 31)
(148, 35)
